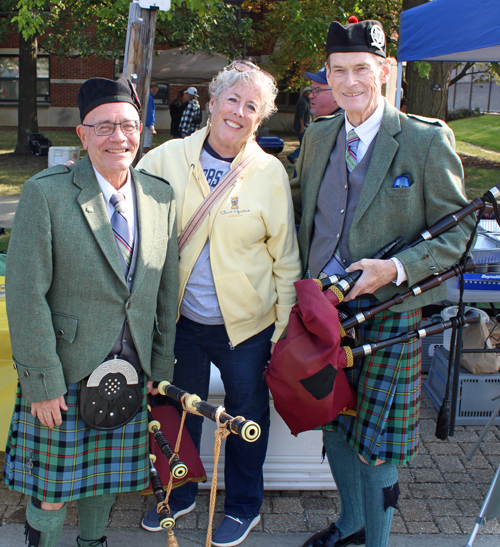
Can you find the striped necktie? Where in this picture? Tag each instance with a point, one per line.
(351, 150)
(121, 228)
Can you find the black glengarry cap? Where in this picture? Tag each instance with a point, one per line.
(97, 91)
(367, 36)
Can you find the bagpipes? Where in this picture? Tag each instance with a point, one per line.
(226, 424)
(306, 373)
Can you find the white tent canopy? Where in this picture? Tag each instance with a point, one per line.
(173, 66)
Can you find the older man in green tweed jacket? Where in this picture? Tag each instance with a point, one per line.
(364, 178)
(91, 278)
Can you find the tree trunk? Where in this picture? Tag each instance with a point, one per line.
(427, 96)
(27, 110)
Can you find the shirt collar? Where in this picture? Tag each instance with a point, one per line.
(369, 128)
(108, 190)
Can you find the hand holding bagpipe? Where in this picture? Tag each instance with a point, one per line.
(440, 227)
(246, 429)
(177, 468)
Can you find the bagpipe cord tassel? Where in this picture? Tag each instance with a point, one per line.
(171, 539)
(221, 432)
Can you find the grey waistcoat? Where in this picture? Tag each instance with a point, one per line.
(337, 202)
(124, 347)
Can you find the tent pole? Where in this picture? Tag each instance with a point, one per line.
(398, 86)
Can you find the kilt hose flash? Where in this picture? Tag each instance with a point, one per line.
(388, 387)
(73, 461)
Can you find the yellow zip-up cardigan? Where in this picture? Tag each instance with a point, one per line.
(253, 246)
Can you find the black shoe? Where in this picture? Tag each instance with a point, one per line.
(291, 160)
(332, 537)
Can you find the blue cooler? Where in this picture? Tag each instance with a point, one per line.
(270, 144)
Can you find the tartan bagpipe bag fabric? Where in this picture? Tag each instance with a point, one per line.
(306, 373)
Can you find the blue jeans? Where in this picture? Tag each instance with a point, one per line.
(296, 153)
(241, 368)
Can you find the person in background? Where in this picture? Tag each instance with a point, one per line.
(149, 131)
(236, 279)
(301, 121)
(366, 176)
(91, 286)
(323, 102)
(177, 107)
(191, 117)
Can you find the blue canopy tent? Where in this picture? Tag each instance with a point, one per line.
(459, 31)
(449, 30)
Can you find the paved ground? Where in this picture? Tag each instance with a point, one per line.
(441, 495)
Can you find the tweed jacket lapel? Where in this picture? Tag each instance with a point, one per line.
(383, 154)
(94, 210)
(145, 226)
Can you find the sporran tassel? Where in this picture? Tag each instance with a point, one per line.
(171, 539)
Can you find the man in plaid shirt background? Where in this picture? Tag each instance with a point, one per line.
(191, 117)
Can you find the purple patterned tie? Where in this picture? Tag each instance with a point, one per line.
(121, 227)
(351, 150)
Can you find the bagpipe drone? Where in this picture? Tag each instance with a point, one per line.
(306, 374)
(246, 429)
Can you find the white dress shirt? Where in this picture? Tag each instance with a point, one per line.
(127, 190)
(366, 132)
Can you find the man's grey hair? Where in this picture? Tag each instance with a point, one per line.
(230, 76)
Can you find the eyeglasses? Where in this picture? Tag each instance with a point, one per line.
(317, 90)
(106, 129)
(248, 66)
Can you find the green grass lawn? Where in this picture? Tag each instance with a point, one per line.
(483, 131)
(16, 170)
(477, 138)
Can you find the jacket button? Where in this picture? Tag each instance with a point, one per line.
(60, 332)
(26, 373)
(127, 306)
(42, 375)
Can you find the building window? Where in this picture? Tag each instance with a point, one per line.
(286, 99)
(9, 78)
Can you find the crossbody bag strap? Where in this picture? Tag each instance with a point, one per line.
(206, 205)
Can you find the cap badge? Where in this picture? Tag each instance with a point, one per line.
(378, 37)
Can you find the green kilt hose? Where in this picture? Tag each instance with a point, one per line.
(74, 461)
(388, 386)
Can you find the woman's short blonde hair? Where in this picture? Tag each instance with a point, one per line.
(245, 71)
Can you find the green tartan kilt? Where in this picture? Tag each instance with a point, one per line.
(73, 461)
(388, 387)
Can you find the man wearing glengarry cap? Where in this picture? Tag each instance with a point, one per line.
(91, 300)
(365, 177)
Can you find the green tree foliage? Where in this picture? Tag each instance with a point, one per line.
(298, 29)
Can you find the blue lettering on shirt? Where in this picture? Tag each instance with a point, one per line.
(213, 177)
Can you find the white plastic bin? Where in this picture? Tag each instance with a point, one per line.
(292, 463)
(63, 154)
(451, 311)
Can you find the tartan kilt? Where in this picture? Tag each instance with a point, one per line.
(388, 386)
(74, 461)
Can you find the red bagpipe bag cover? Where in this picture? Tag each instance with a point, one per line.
(170, 422)
(306, 373)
